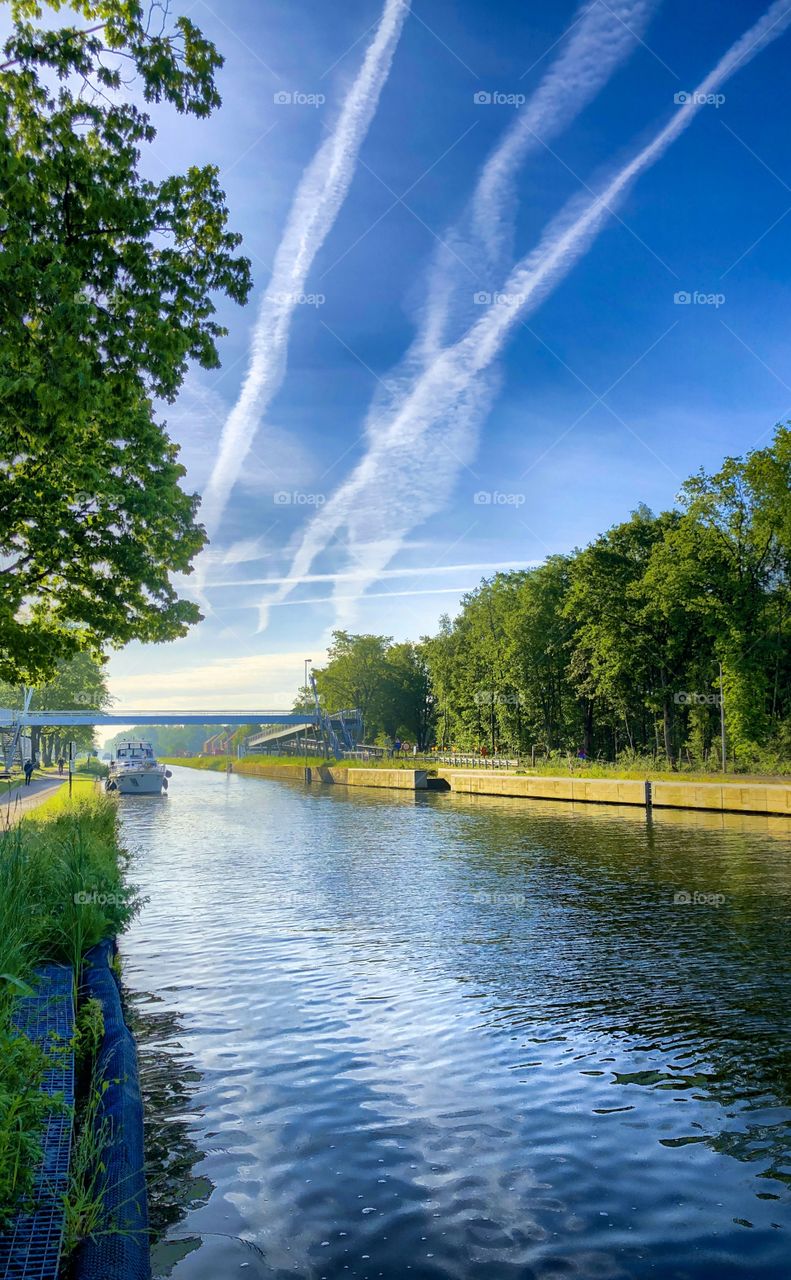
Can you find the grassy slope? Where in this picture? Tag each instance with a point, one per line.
(59, 802)
(218, 764)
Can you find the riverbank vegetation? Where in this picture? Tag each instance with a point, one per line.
(219, 764)
(619, 652)
(63, 887)
(79, 684)
(109, 274)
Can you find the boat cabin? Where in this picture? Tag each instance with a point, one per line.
(134, 751)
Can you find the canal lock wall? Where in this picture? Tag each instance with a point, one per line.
(711, 797)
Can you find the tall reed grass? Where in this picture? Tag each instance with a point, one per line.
(63, 888)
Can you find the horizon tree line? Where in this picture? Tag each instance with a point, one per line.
(626, 646)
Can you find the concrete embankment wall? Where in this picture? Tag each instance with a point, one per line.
(293, 772)
(733, 797)
(589, 790)
(711, 797)
(394, 779)
(726, 797)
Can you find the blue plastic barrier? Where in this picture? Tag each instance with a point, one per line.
(121, 1250)
(30, 1250)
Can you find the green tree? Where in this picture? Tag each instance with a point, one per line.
(168, 739)
(409, 697)
(546, 712)
(630, 650)
(388, 683)
(500, 668)
(723, 570)
(356, 675)
(77, 685)
(107, 280)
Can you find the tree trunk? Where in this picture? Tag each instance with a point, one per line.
(587, 729)
(667, 729)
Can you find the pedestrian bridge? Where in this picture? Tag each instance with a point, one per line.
(339, 730)
(11, 719)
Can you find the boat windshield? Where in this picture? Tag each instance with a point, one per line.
(135, 751)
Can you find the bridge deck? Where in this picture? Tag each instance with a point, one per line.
(9, 719)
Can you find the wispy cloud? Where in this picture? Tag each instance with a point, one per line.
(318, 199)
(259, 681)
(431, 430)
(470, 257)
(194, 423)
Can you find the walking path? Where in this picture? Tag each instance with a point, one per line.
(15, 803)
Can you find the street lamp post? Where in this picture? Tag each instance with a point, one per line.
(722, 720)
(307, 664)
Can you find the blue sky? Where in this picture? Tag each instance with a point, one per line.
(604, 392)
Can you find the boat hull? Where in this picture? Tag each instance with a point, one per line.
(150, 783)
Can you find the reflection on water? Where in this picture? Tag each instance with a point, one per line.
(168, 1082)
(436, 1036)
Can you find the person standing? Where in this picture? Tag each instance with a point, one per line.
(61, 763)
(28, 768)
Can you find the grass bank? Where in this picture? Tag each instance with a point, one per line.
(631, 769)
(219, 764)
(63, 888)
(83, 790)
(647, 768)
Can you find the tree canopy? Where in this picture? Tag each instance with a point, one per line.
(108, 280)
(76, 685)
(388, 683)
(615, 648)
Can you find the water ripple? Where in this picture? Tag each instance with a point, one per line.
(426, 1036)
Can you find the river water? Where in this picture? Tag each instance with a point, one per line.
(387, 1035)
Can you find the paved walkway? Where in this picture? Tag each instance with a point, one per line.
(21, 799)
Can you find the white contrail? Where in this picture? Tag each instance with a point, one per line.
(598, 40)
(392, 485)
(415, 571)
(474, 251)
(318, 199)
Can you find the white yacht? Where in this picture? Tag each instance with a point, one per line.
(134, 770)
